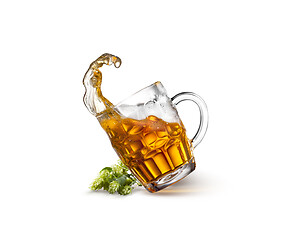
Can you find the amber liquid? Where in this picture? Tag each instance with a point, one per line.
(151, 147)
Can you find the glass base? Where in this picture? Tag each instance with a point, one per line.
(172, 177)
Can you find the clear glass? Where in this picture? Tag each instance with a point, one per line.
(150, 138)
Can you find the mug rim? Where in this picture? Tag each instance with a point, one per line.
(156, 84)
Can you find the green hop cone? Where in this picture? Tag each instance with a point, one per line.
(125, 190)
(124, 167)
(105, 173)
(97, 184)
(113, 187)
(117, 170)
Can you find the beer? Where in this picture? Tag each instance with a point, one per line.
(151, 147)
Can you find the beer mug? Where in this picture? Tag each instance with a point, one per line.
(147, 133)
(150, 138)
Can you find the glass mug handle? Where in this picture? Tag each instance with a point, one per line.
(203, 113)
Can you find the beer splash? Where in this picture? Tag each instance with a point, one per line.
(93, 98)
(151, 148)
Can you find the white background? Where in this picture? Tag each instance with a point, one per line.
(237, 55)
